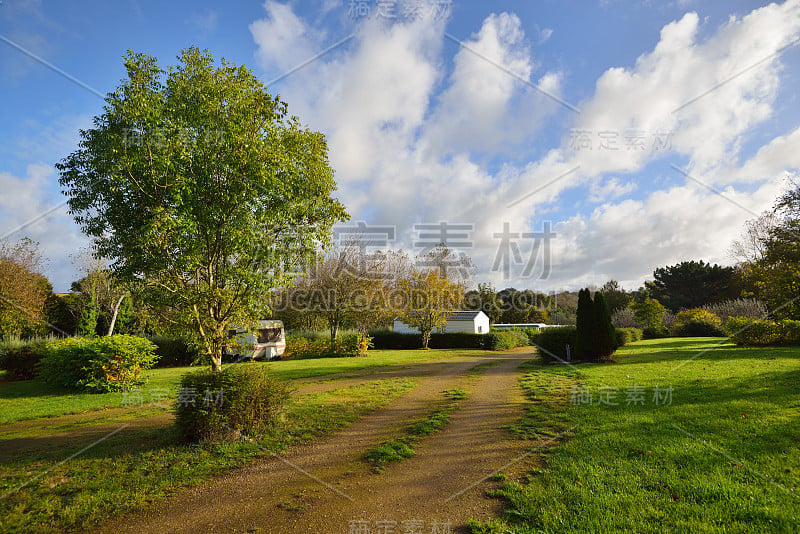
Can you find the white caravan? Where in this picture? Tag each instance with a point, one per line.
(268, 342)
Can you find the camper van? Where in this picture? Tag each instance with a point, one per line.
(268, 342)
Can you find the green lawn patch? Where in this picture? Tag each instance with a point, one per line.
(132, 469)
(33, 399)
(661, 445)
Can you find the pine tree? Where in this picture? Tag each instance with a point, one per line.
(584, 326)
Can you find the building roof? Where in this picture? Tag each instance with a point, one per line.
(458, 315)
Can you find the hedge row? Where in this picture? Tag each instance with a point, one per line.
(552, 342)
(628, 335)
(347, 346)
(495, 340)
(750, 332)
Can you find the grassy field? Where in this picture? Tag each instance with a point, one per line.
(651, 444)
(33, 399)
(132, 469)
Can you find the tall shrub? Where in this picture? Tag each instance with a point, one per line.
(584, 325)
(606, 338)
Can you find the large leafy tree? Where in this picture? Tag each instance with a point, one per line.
(691, 284)
(201, 190)
(616, 298)
(775, 272)
(23, 289)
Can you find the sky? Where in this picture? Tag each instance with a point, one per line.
(558, 144)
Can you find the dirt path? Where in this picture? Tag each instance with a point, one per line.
(323, 486)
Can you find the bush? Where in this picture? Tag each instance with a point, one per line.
(99, 365)
(698, 328)
(654, 332)
(20, 358)
(739, 308)
(734, 324)
(240, 400)
(552, 343)
(504, 339)
(174, 351)
(347, 345)
(395, 341)
(696, 315)
(627, 335)
(768, 332)
(623, 318)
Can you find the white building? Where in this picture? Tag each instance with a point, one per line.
(472, 321)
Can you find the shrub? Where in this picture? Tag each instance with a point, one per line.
(654, 332)
(768, 332)
(239, 400)
(739, 308)
(456, 340)
(606, 342)
(347, 345)
(627, 335)
(623, 318)
(734, 324)
(503, 340)
(20, 358)
(696, 315)
(395, 341)
(552, 343)
(697, 328)
(112, 363)
(174, 351)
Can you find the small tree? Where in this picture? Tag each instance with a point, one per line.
(649, 312)
(23, 289)
(430, 298)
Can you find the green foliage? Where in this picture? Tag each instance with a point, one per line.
(691, 284)
(504, 339)
(390, 451)
(625, 336)
(697, 314)
(584, 326)
(697, 328)
(87, 322)
(764, 333)
(552, 343)
(240, 400)
(174, 351)
(98, 365)
(202, 190)
(734, 324)
(654, 332)
(455, 340)
(20, 358)
(606, 339)
(347, 345)
(485, 299)
(649, 313)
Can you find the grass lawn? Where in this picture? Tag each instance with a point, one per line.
(33, 399)
(651, 445)
(132, 469)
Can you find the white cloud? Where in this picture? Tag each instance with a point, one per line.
(30, 208)
(409, 140)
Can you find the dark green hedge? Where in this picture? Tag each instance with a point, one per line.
(22, 363)
(552, 343)
(396, 341)
(174, 351)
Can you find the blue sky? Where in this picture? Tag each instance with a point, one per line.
(577, 114)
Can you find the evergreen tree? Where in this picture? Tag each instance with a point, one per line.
(584, 326)
(606, 340)
(87, 322)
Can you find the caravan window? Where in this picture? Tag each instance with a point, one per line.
(269, 335)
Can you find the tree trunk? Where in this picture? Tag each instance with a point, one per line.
(426, 338)
(216, 360)
(114, 315)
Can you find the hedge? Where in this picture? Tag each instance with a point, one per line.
(504, 339)
(552, 343)
(396, 341)
(627, 335)
(348, 345)
(174, 351)
(764, 333)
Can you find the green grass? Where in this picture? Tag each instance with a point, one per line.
(403, 447)
(33, 399)
(722, 456)
(131, 470)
